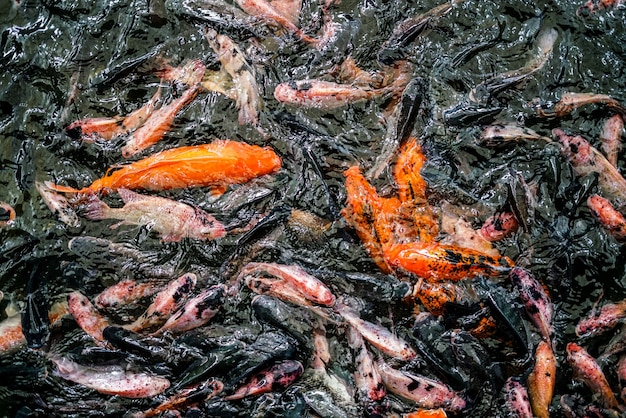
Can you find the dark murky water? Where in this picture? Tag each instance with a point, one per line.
(62, 61)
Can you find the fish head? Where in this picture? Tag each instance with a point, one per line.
(207, 227)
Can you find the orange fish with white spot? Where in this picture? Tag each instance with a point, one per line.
(215, 165)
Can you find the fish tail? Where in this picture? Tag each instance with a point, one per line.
(95, 209)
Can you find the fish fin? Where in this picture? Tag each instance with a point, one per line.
(218, 190)
(129, 196)
(95, 209)
(60, 188)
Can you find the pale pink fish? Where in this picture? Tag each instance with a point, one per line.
(277, 377)
(611, 220)
(602, 320)
(495, 135)
(587, 370)
(536, 301)
(278, 289)
(585, 160)
(322, 94)
(173, 220)
(86, 315)
(165, 303)
(196, 312)
(321, 347)
(266, 10)
(125, 292)
(366, 377)
(611, 138)
(158, 124)
(312, 288)
(58, 205)
(516, 399)
(570, 101)
(426, 392)
(378, 336)
(243, 75)
(111, 379)
(499, 226)
(189, 73)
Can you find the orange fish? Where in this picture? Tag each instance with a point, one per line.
(541, 380)
(214, 165)
(610, 219)
(434, 261)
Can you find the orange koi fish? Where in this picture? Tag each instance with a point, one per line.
(322, 94)
(435, 296)
(434, 261)
(611, 138)
(586, 369)
(612, 220)
(154, 129)
(541, 380)
(215, 165)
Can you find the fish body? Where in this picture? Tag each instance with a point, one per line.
(605, 319)
(326, 95)
(277, 377)
(173, 220)
(585, 160)
(111, 380)
(214, 165)
(58, 205)
(166, 302)
(196, 312)
(499, 226)
(536, 301)
(312, 288)
(11, 335)
(86, 315)
(586, 369)
(434, 261)
(278, 289)
(124, 292)
(570, 101)
(541, 380)
(496, 135)
(611, 137)
(516, 399)
(426, 392)
(158, 124)
(378, 336)
(243, 75)
(265, 10)
(366, 376)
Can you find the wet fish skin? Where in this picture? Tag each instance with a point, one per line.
(611, 137)
(366, 376)
(158, 124)
(11, 335)
(277, 377)
(199, 392)
(278, 289)
(173, 220)
(465, 114)
(124, 292)
(86, 315)
(166, 302)
(585, 160)
(7, 214)
(378, 336)
(574, 406)
(499, 226)
(196, 312)
(593, 6)
(310, 287)
(541, 380)
(434, 261)
(426, 392)
(602, 320)
(516, 399)
(216, 165)
(234, 62)
(111, 380)
(586, 369)
(536, 301)
(497, 135)
(327, 95)
(571, 101)
(58, 205)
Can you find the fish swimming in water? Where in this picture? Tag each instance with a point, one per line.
(215, 165)
(7, 214)
(86, 315)
(541, 380)
(58, 205)
(171, 219)
(611, 137)
(571, 101)
(610, 219)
